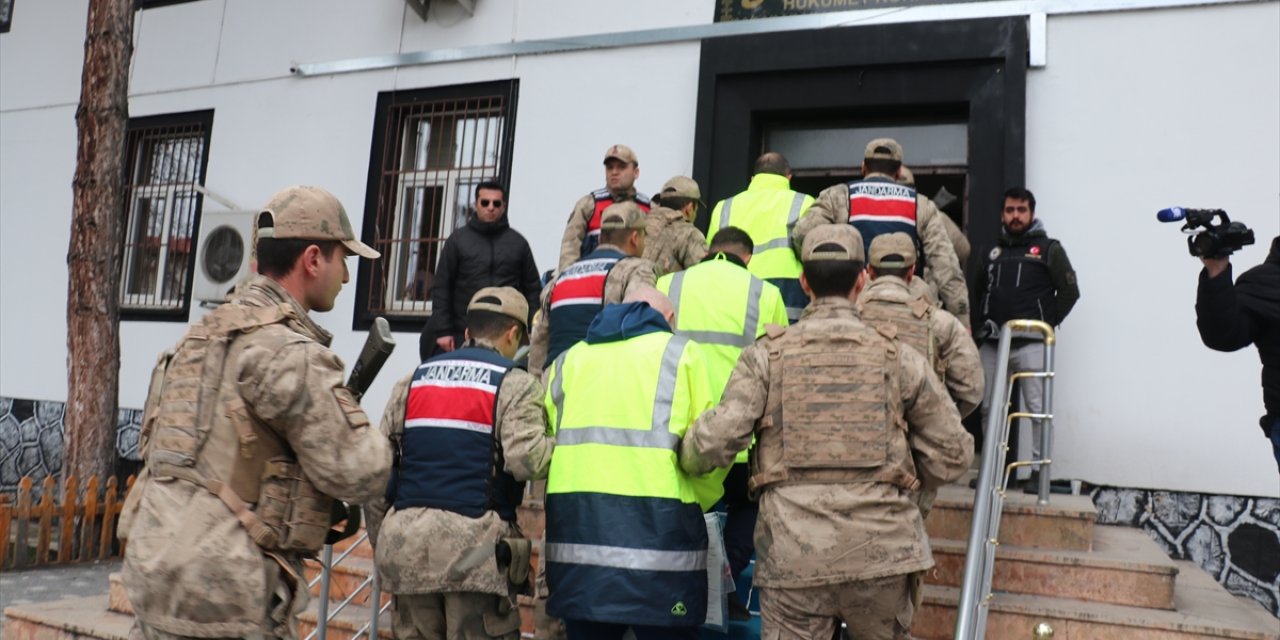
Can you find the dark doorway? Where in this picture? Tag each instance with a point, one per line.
(968, 72)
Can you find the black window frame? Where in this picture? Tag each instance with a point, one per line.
(6, 18)
(382, 186)
(202, 119)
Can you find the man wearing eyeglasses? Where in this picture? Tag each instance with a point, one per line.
(1026, 276)
(486, 252)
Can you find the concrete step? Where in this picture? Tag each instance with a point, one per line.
(1203, 610)
(66, 619)
(1066, 523)
(1125, 567)
(345, 579)
(345, 624)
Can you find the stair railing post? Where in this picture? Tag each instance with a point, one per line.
(992, 461)
(326, 571)
(1046, 424)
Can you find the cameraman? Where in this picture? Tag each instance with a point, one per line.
(1230, 317)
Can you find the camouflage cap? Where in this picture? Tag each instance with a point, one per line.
(884, 149)
(906, 177)
(311, 213)
(892, 251)
(832, 242)
(681, 187)
(504, 300)
(622, 215)
(622, 152)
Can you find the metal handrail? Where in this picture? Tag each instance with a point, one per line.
(979, 564)
(324, 616)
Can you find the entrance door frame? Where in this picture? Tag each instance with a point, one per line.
(974, 69)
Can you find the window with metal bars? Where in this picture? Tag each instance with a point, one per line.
(166, 157)
(431, 148)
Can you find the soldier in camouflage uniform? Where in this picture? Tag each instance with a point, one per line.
(468, 443)
(959, 241)
(936, 334)
(889, 299)
(582, 231)
(248, 437)
(604, 276)
(881, 164)
(674, 244)
(865, 423)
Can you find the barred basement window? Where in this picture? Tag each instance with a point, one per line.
(166, 158)
(430, 149)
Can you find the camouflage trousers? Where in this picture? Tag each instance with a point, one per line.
(455, 616)
(281, 611)
(879, 609)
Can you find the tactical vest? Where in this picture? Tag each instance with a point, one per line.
(195, 430)
(603, 199)
(912, 322)
(880, 205)
(450, 458)
(834, 411)
(1019, 285)
(577, 296)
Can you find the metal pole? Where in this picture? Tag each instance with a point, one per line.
(326, 570)
(1046, 424)
(376, 599)
(992, 459)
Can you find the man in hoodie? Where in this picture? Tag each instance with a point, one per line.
(1232, 316)
(626, 543)
(1027, 276)
(486, 252)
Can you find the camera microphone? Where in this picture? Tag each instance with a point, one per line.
(1178, 214)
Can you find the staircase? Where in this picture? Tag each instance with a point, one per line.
(1087, 581)
(1055, 566)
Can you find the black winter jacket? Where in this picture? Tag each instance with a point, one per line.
(1230, 317)
(479, 255)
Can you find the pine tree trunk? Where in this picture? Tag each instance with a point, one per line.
(94, 255)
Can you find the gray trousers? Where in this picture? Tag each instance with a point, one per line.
(1027, 356)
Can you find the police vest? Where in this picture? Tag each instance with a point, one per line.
(880, 205)
(834, 433)
(577, 296)
(450, 457)
(625, 536)
(1019, 285)
(603, 199)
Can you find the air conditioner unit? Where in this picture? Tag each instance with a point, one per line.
(223, 254)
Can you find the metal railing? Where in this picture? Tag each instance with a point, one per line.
(324, 615)
(980, 556)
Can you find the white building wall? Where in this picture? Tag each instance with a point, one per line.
(1129, 116)
(1136, 112)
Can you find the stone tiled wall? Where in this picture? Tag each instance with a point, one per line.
(1236, 539)
(31, 442)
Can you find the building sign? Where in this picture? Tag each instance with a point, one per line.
(730, 10)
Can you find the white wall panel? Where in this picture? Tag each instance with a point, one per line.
(1136, 112)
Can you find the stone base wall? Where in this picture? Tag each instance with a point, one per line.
(1234, 538)
(31, 439)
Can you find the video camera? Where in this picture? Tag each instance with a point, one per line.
(1215, 240)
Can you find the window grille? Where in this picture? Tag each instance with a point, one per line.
(166, 161)
(434, 151)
